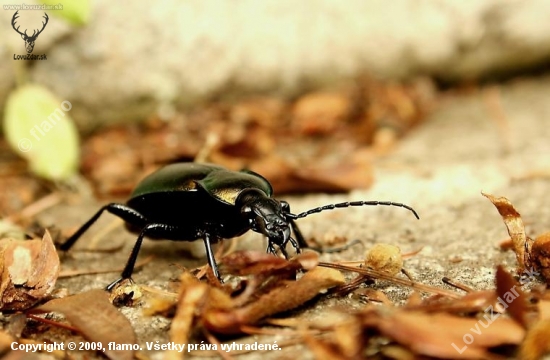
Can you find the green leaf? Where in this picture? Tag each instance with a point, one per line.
(76, 12)
(38, 127)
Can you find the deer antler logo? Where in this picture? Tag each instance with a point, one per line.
(29, 40)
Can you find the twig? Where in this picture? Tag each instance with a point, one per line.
(36, 207)
(384, 276)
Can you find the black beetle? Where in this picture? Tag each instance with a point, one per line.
(189, 201)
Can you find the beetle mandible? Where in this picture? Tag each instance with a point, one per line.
(190, 201)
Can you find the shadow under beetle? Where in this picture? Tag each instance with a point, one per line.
(190, 201)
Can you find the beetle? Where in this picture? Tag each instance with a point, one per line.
(191, 201)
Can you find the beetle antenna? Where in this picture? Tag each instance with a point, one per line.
(348, 204)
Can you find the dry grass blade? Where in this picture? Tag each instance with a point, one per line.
(36, 207)
(385, 276)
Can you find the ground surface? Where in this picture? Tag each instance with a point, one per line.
(470, 145)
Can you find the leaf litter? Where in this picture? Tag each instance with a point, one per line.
(271, 296)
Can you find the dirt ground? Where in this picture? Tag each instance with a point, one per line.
(494, 140)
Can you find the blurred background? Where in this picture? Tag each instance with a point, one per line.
(307, 93)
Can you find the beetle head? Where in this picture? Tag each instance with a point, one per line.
(266, 216)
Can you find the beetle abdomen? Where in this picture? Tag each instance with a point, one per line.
(191, 212)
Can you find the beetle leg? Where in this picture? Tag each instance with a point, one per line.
(210, 255)
(122, 211)
(295, 245)
(129, 268)
(113, 284)
(283, 251)
(270, 249)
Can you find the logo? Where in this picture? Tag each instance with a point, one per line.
(29, 40)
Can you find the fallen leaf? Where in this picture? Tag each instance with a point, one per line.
(322, 349)
(544, 309)
(97, 320)
(510, 291)
(540, 255)
(442, 335)
(5, 342)
(536, 342)
(29, 271)
(348, 337)
(470, 303)
(373, 295)
(514, 225)
(321, 113)
(38, 126)
(192, 294)
(279, 299)
(257, 262)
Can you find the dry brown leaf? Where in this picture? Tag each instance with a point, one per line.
(29, 271)
(260, 263)
(322, 349)
(282, 298)
(540, 255)
(442, 335)
(354, 171)
(397, 352)
(373, 295)
(510, 291)
(536, 342)
(264, 111)
(5, 342)
(328, 175)
(320, 113)
(348, 335)
(96, 318)
(160, 305)
(514, 224)
(414, 300)
(506, 245)
(192, 294)
(470, 303)
(544, 309)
